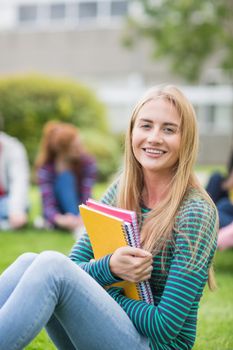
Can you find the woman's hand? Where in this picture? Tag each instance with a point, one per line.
(228, 183)
(18, 220)
(131, 264)
(68, 221)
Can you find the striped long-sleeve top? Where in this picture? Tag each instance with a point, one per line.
(171, 322)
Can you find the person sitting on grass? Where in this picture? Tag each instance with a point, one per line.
(14, 183)
(220, 189)
(66, 174)
(74, 297)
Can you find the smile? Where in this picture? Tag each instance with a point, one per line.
(154, 151)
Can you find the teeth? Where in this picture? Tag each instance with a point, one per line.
(154, 151)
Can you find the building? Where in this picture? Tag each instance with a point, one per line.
(82, 39)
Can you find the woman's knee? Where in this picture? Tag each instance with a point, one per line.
(216, 178)
(51, 260)
(26, 258)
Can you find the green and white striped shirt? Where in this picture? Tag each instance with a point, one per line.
(171, 322)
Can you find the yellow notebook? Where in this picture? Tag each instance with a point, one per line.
(107, 233)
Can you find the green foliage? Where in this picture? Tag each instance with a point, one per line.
(187, 33)
(27, 102)
(106, 148)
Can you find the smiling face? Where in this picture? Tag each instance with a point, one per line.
(156, 137)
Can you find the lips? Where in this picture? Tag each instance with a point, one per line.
(155, 151)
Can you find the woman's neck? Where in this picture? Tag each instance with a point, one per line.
(155, 189)
(62, 163)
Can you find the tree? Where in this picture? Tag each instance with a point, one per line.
(187, 32)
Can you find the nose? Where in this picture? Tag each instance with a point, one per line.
(155, 136)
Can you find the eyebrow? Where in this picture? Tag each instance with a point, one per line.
(150, 121)
(171, 124)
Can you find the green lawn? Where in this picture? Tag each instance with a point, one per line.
(14, 244)
(216, 311)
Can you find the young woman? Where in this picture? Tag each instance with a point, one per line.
(66, 174)
(178, 239)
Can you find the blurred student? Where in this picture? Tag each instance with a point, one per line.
(14, 183)
(66, 174)
(220, 189)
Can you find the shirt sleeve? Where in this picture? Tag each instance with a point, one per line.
(99, 269)
(185, 282)
(88, 178)
(18, 172)
(45, 176)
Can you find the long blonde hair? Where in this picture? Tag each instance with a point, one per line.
(160, 222)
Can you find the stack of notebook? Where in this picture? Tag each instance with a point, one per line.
(110, 228)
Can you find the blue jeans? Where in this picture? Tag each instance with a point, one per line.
(66, 193)
(48, 289)
(225, 212)
(4, 200)
(214, 187)
(4, 213)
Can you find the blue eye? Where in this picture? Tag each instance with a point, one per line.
(169, 130)
(145, 126)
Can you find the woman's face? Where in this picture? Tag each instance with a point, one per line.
(75, 149)
(156, 137)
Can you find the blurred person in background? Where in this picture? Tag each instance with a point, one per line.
(66, 174)
(14, 183)
(225, 237)
(220, 189)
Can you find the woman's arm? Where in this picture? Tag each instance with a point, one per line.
(83, 256)
(228, 183)
(45, 176)
(82, 253)
(184, 284)
(88, 177)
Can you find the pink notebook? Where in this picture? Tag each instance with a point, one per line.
(124, 214)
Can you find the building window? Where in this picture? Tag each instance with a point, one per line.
(27, 13)
(87, 10)
(57, 11)
(119, 8)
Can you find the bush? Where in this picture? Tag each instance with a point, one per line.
(27, 102)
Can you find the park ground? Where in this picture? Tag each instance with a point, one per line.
(215, 321)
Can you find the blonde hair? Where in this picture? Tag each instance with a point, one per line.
(160, 222)
(57, 137)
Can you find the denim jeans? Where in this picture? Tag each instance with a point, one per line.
(214, 187)
(225, 211)
(48, 289)
(65, 188)
(4, 200)
(4, 213)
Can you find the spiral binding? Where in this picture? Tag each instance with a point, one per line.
(143, 288)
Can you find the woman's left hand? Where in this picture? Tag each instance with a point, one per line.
(131, 264)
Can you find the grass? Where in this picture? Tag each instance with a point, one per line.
(215, 314)
(14, 244)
